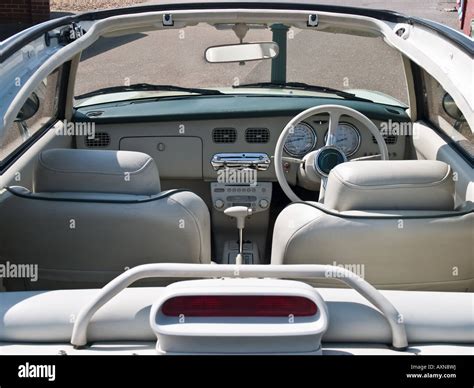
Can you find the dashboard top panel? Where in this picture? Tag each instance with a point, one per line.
(223, 107)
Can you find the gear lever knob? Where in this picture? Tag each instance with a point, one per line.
(239, 213)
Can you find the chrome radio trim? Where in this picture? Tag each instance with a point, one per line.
(256, 160)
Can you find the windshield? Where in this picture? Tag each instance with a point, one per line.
(360, 65)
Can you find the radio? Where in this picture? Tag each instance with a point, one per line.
(257, 196)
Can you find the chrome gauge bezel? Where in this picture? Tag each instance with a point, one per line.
(356, 130)
(303, 153)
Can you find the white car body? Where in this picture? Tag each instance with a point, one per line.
(358, 321)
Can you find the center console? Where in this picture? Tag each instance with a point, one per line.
(256, 197)
(237, 186)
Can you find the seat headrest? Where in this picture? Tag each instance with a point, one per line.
(96, 171)
(390, 185)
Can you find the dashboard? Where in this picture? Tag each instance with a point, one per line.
(184, 135)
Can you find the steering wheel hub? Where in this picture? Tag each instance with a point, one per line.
(327, 158)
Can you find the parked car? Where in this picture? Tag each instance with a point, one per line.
(287, 178)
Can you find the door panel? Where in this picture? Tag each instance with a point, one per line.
(429, 145)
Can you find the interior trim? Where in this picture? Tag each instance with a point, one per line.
(422, 114)
(388, 216)
(46, 197)
(449, 141)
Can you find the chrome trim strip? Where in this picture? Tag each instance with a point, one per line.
(255, 160)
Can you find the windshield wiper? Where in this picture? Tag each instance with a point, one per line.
(149, 87)
(304, 86)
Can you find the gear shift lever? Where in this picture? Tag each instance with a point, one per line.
(239, 213)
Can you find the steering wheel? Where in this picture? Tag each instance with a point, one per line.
(318, 164)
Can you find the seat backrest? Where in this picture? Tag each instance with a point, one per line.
(391, 185)
(94, 214)
(96, 171)
(393, 223)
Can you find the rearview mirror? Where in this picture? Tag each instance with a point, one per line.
(29, 108)
(242, 52)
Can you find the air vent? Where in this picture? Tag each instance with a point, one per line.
(224, 135)
(100, 139)
(257, 135)
(389, 139)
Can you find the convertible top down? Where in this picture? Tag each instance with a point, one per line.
(272, 178)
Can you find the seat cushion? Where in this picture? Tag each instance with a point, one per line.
(391, 185)
(96, 171)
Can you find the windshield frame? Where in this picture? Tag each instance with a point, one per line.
(99, 23)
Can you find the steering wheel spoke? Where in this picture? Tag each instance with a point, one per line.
(332, 129)
(369, 157)
(322, 190)
(292, 160)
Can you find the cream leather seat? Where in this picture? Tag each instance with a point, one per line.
(94, 213)
(393, 222)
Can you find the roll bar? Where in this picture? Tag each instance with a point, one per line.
(121, 282)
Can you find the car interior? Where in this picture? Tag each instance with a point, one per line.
(178, 178)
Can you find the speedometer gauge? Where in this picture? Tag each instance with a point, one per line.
(347, 138)
(300, 140)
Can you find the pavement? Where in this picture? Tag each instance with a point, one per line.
(429, 9)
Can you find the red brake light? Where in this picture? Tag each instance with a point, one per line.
(239, 306)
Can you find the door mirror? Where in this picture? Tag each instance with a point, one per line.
(29, 108)
(451, 108)
(241, 52)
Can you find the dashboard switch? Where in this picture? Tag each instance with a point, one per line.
(219, 204)
(161, 147)
(263, 203)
